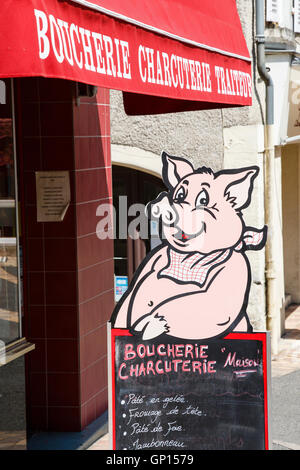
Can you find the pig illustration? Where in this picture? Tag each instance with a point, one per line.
(195, 284)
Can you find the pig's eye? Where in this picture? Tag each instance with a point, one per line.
(180, 195)
(202, 198)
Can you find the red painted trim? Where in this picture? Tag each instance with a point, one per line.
(263, 338)
(251, 336)
(265, 392)
(114, 332)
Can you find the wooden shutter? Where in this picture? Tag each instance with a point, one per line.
(273, 10)
(297, 16)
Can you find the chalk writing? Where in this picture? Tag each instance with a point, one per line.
(189, 396)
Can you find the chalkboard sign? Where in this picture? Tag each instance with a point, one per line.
(173, 394)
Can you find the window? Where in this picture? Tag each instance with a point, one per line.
(273, 11)
(279, 13)
(297, 16)
(9, 251)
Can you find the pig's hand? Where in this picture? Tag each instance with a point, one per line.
(151, 325)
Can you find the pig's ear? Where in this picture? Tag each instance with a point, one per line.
(174, 169)
(239, 185)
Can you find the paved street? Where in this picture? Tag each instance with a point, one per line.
(285, 422)
(286, 386)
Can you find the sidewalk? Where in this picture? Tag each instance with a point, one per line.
(285, 405)
(288, 357)
(286, 385)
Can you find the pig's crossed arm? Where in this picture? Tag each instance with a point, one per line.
(204, 313)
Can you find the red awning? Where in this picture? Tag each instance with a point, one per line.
(176, 54)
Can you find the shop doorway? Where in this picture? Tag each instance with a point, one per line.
(291, 233)
(132, 187)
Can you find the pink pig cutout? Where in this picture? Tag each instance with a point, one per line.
(195, 284)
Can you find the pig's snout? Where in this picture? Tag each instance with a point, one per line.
(164, 210)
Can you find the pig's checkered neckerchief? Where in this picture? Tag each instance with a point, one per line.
(195, 267)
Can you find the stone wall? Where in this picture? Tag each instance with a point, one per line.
(197, 135)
